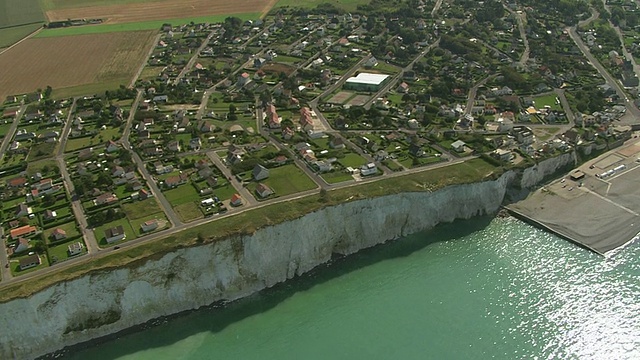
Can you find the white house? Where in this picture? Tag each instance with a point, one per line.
(75, 248)
(368, 169)
(458, 146)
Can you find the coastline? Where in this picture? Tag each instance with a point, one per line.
(106, 302)
(189, 278)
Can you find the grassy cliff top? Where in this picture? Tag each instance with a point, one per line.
(252, 220)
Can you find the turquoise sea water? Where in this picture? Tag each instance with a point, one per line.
(478, 289)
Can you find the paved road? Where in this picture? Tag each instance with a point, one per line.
(64, 136)
(21, 40)
(8, 137)
(436, 7)
(162, 201)
(521, 17)
(144, 63)
(132, 115)
(631, 109)
(471, 98)
(193, 59)
(76, 204)
(249, 200)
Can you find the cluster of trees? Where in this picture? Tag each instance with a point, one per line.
(102, 217)
(459, 45)
(589, 99)
(122, 93)
(624, 19)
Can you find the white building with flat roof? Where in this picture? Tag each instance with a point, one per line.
(366, 82)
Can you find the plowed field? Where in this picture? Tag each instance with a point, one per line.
(73, 60)
(158, 10)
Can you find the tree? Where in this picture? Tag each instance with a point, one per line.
(324, 195)
(48, 199)
(232, 109)
(47, 91)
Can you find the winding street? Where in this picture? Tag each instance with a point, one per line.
(8, 137)
(633, 114)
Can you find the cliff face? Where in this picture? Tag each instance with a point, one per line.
(535, 174)
(105, 302)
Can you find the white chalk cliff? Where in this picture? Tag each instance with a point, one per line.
(104, 302)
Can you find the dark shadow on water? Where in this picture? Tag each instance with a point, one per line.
(219, 315)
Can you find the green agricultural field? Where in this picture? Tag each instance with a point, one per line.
(136, 26)
(70, 4)
(20, 12)
(348, 5)
(11, 35)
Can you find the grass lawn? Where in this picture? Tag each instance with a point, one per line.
(69, 227)
(547, 100)
(135, 224)
(285, 180)
(141, 209)
(136, 26)
(225, 192)
(60, 252)
(287, 59)
(87, 89)
(99, 232)
(336, 177)
(189, 211)
(42, 150)
(352, 160)
(37, 166)
(80, 143)
(15, 265)
(181, 195)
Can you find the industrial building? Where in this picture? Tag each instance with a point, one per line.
(366, 82)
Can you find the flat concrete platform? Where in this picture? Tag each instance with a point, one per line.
(599, 213)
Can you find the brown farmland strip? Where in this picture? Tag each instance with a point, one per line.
(72, 60)
(159, 10)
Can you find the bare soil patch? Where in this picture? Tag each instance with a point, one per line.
(278, 68)
(359, 100)
(158, 10)
(340, 98)
(72, 60)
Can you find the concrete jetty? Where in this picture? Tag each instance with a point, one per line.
(596, 205)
